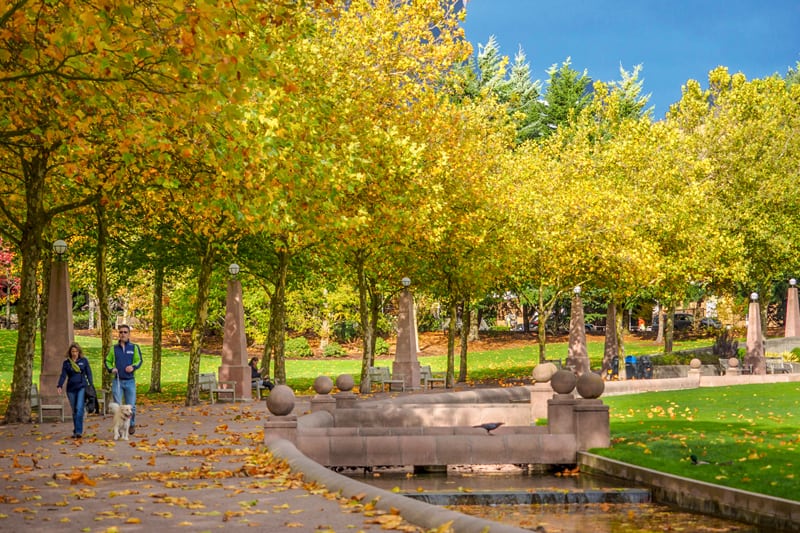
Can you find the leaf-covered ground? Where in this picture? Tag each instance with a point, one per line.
(198, 469)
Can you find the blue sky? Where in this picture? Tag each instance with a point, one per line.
(674, 41)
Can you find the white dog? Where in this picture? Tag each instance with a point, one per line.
(122, 420)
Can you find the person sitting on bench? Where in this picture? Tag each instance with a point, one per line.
(258, 381)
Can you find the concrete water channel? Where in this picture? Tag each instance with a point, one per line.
(564, 503)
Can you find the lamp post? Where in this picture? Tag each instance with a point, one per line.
(577, 353)
(406, 364)
(234, 341)
(59, 332)
(792, 325)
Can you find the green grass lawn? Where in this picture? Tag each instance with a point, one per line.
(511, 364)
(748, 434)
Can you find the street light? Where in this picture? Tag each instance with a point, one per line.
(792, 282)
(577, 289)
(60, 248)
(754, 296)
(233, 269)
(406, 282)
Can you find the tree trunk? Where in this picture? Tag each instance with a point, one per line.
(610, 341)
(266, 355)
(158, 308)
(275, 348)
(466, 324)
(541, 330)
(198, 327)
(103, 292)
(367, 343)
(375, 307)
(19, 404)
(620, 327)
(30, 248)
(661, 322)
(669, 328)
(451, 341)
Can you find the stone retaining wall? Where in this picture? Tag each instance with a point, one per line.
(750, 507)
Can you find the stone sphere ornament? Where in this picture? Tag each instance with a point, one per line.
(323, 385)
(345, 382)
(695, 363)
(733, 362)
(563, 381)
(590, 386)
(280, 401)
(543, 373)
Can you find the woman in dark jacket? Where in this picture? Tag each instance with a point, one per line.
(75, 367)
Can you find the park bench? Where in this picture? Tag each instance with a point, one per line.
(429, 378)
(380, 375)
(259, 390)
(216, 389)
(104, 398)
(43, 405)
(776, 365)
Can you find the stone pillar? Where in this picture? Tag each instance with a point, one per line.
(593, 429)
(406, 364)
(234, 344)
(542, 389)
(733, 367)
(345, 398)
(323, 401)
(540, 395)
(755, 340)
(561, 414)
(694, 370)
(577, 354)
(281, 424)
(60, 331)
(792, 328)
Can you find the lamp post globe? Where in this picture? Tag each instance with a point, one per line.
(60, 247)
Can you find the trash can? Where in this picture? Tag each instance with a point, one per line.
(644, 368)
(630, 366)
(613, 372)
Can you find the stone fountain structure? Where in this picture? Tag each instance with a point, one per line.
(439, 430)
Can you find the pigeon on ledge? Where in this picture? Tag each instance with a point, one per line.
(489, 426)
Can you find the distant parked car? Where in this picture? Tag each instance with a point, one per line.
(710, 322)
(681, 321)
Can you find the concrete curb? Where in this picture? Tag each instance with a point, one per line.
(417, 513)
(707, 498)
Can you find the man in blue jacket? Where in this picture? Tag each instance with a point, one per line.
(123, 360)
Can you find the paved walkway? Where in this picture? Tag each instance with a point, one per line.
(200, 468)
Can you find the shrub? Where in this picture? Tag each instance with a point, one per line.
(334, 349)
(381, 346)
(298, 347)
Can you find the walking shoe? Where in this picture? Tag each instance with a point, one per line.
(131, 430)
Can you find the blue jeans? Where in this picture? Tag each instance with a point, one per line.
(77, 401)
(126, 387)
